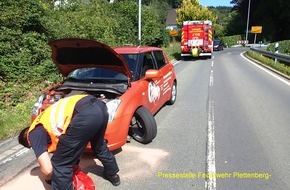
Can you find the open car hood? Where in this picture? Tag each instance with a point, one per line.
(74, 53)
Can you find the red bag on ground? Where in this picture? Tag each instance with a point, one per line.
(81, 181)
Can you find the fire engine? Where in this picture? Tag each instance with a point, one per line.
(196, 38)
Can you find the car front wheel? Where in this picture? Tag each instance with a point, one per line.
(172, 99)
(143, 127)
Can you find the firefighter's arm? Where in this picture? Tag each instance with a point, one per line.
(45, 165)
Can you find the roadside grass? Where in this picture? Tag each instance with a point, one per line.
(278, 66)
(17, 115)
(15, 119)
(173, 51)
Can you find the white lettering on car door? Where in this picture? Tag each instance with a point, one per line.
(166, 86)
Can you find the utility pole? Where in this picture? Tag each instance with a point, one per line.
(248, 20)
(139, 23)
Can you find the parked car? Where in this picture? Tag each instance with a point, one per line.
(133, 81)
(218, 45)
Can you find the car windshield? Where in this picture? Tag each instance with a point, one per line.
(216, 42)
(132, 61)
(96, 74)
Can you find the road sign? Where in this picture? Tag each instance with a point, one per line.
(242, 42)
(256, 29)
(173, 33)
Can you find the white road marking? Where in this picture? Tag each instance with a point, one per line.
(211, 78)
(177, 62)
(267, 71)
(14, 155)
(210, 183)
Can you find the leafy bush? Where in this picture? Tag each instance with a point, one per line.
(26, 26)
(284, 47)
(173, 51)
(231, 40)
(285, 69)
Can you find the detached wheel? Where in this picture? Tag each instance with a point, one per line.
(143, 127)
(172, 99)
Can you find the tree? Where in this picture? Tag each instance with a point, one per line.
(175, 3)
(273, 19)
(222, 14)
(192, 10)
(22, 39)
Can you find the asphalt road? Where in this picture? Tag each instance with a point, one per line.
(229, 129)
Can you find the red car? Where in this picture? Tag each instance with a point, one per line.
(134, 82)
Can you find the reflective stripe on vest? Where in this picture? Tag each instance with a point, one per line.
(57, 116)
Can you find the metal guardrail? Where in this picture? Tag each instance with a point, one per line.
(278, 56)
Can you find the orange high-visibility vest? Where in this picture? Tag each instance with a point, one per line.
(56, 118)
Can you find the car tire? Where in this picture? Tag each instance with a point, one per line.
(143, 127)
(172, 99)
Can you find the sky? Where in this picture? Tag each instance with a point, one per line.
(215, 3)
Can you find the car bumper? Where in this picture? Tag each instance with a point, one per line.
(117, 132)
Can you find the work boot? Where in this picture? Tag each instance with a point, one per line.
(114, 179)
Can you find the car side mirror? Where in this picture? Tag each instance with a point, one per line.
(152, 73)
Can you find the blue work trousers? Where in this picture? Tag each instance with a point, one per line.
(88, 124)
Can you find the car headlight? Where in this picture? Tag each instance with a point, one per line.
(112, 106)
(37, 104)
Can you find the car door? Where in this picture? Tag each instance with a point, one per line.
(166, 71)
(154, 85)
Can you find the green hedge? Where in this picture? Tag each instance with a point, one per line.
(284, 47)
(229, 41)
(26, 26)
